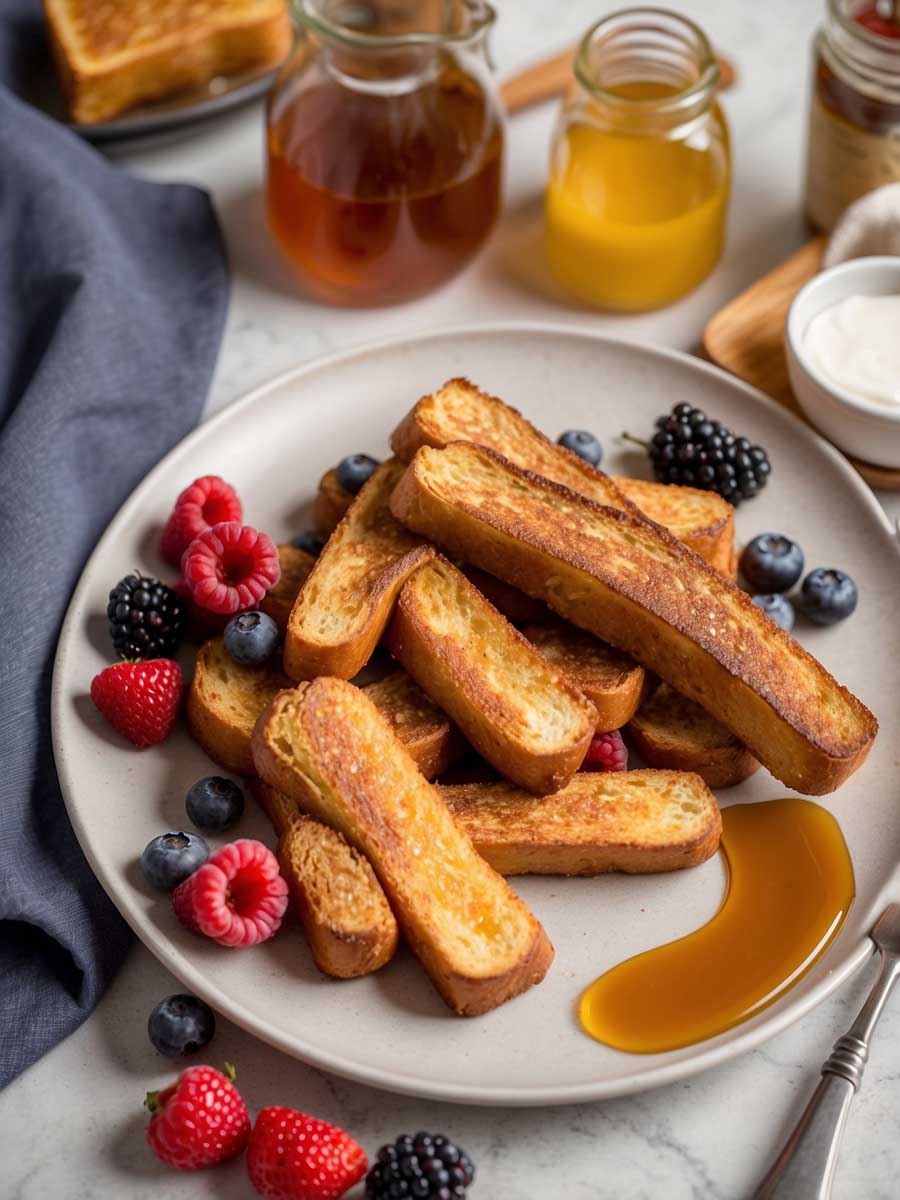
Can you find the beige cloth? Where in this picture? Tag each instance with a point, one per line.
(871, 225)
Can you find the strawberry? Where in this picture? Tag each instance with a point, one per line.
(140, 699)
(295, 1157)
(199, 1121)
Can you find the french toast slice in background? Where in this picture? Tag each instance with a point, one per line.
(460, 412)
(636, 586)
(225, 700)
(341, 905)
(343, 607)
(634, 821)
(296, 566)
(519, 711)
(613, 682)
(672, 732)
(326, 745)
(111, 57)
(331, 502)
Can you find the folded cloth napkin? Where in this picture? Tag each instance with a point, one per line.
(113, 293)
(871, 225)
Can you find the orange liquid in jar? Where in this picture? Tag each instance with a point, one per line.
(790, 888)
(378, 198)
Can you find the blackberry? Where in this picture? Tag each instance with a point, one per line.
(690, 449)
(146, 618)
(420, 1166)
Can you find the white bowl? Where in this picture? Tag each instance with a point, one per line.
(860, 427)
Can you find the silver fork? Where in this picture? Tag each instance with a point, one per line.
(805, 1167)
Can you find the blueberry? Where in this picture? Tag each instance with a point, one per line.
(778, 607)
(181, 1024)
(171, 857)
(584, 444)
(214, 803)
(310, 541)
(251, 638)
(771, 562)
(354, 470)
(828, 596)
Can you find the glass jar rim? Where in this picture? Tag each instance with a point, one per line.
(309, 15)
(852, 27)
(708, 65)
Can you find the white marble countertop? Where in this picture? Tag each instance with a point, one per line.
(72, 1125)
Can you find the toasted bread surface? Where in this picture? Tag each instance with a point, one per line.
(459, 412)
(613, 682)
(331, 502)
(517, 709)
(296, 566)
(344, 606)
(636, 586)
(225, 700)
(281, 810)
(673, 732)
(633, 821)
(344, 912)
(112, 56)
(326, 744)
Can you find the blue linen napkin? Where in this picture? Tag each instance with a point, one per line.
(113, 293)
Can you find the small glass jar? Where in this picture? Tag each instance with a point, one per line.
(854, 122)
(385, 146)
(640, 166)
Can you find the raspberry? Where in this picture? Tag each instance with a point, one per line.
(140, 699)
(230, 567)
(607, 752)
(295, 1157)
(204, 503)
(237, 898)
(199, 1121)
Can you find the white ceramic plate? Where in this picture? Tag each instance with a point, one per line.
(390, 1029)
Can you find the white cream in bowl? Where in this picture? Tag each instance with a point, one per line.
(854, 344)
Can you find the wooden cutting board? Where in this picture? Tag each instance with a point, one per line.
(746, 337)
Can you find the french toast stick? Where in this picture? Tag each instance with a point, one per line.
(296, 567)
(613, 682)
(634, 821)
(343, 910)
(225, 700)
(344, 606)
(636, 586)
(326, 744)
(519, 711)
(460, 412)
(674, 733)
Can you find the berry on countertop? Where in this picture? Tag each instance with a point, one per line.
(828, 596)
(199, 1121)
(584, 444)
(238, 898)
(690, 449)
(310, 541)
(169, 859)
(146, 618)
(778, 607)
(292, 1156)
(607, 752)
(181, 1024)
(420, 1166)
(772, 563)
(230, 567)
(251, 638)
(214, 803)
(204, 503)
(139, 699)
(355, 470)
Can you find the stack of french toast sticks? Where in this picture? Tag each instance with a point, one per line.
(530, 601)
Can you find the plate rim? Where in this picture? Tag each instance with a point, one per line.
(728, 1045)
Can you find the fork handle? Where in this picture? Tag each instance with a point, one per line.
(805, 1167)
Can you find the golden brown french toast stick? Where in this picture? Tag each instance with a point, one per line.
(519, 711)
(636, 586)
(344, 606)
(460, 412)
(296, 567)
(634, 821)
(326, 744)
